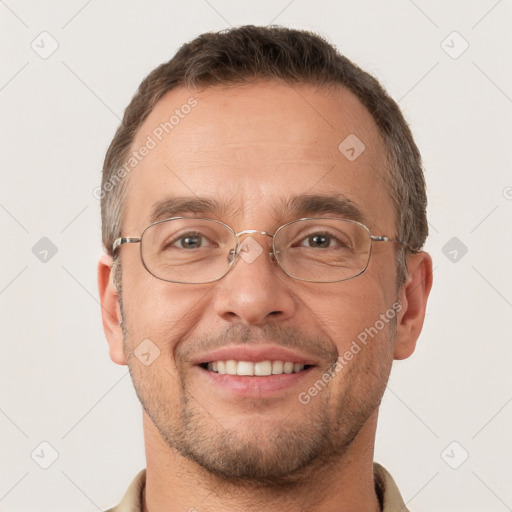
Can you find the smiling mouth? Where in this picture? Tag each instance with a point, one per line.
(258, 369)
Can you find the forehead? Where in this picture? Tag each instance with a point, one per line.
(253, 148)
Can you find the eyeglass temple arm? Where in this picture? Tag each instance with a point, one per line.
(387, 239)
(121, 241)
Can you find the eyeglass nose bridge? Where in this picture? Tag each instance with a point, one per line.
(240, 234)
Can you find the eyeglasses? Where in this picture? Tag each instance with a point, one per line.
(196, 251)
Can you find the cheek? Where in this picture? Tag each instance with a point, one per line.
(344, 311)
(360, 323)
(157, 310)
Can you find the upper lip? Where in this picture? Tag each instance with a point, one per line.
(254, 354)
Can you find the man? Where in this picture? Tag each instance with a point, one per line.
(263, 216)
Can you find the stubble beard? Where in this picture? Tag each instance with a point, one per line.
(285, 454)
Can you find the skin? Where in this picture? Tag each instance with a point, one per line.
(253, 146)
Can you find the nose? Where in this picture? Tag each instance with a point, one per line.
(255, 290)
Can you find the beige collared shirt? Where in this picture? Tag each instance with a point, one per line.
(384, 484)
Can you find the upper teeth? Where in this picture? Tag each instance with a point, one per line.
(261, 368)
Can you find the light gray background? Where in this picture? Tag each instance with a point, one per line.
(58, 115)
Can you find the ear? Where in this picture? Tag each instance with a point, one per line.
(413, 298)
(110, 310)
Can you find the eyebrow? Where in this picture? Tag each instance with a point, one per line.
(178, 206)
(297, 206)
(332, 204)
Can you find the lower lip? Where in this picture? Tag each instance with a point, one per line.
(251, 386)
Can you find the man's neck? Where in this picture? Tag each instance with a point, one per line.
(176, 484)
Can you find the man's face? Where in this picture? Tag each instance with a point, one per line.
(251, 149)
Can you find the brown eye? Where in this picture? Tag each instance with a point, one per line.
(319, 240)
(322, 240)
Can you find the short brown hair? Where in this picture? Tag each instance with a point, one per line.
(248, 54)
